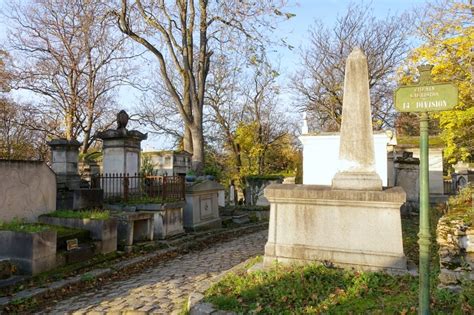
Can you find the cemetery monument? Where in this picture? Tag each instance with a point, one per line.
(353, 223)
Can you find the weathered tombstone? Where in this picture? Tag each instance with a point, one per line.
(232, 194)
(121, 150)
(354, 223)
(64, 163)
(304, 129)
(407, 173)
(356, 149)
(202, 209)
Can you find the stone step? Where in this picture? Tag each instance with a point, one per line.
(240, 218)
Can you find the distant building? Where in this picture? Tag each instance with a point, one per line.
(169, 163)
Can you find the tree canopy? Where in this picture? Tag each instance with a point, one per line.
(318, 82)
(447, 31)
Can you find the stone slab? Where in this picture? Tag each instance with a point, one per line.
(202, 210)
(104, 231)
(348, 228)
(31, 253)
(134, 227)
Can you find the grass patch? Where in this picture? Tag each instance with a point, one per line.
(318, 289)
(95, 214)
(18, 225)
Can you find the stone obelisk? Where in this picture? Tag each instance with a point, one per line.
(356, 151)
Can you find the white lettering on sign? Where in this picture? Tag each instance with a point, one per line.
(431, 104)
(424, 91)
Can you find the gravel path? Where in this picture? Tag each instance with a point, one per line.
(165, 288)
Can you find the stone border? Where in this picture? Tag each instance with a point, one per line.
(63, 284)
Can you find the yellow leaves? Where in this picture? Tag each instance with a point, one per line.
(449, 38)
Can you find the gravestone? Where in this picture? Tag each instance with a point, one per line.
(64, 162)
(354, 223)
(202, 206)
(121, 151)
(356, 148)
(407, 173)
(232, 194)
(70, 192)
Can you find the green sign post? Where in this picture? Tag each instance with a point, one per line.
(425, 97)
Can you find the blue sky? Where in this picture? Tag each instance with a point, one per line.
(294, 30)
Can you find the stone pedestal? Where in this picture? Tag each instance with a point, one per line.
(121, 150)
(202, 209)
(121, 153)
(64, 163)
(359, 229)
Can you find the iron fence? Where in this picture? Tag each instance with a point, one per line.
(449, 187)
(126, 187)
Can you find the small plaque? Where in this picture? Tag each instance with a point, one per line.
(72, 244)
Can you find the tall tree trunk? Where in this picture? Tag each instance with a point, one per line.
(187, 140)
(198, 150)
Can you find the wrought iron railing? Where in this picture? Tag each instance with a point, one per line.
(449, 187)
(126, 187)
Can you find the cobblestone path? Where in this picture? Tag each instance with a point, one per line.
(165, 288)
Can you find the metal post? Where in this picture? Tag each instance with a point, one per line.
(424, 234)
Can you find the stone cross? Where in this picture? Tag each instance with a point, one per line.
(356, 151)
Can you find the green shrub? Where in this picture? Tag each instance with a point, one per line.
(464, 198)
(461, 206)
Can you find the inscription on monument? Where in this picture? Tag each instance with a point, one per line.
(206, 207)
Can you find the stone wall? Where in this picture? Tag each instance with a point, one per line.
(455, 237)
(27, 190)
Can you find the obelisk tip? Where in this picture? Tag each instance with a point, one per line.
(357, 52)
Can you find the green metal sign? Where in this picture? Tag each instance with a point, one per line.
(426, 98)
